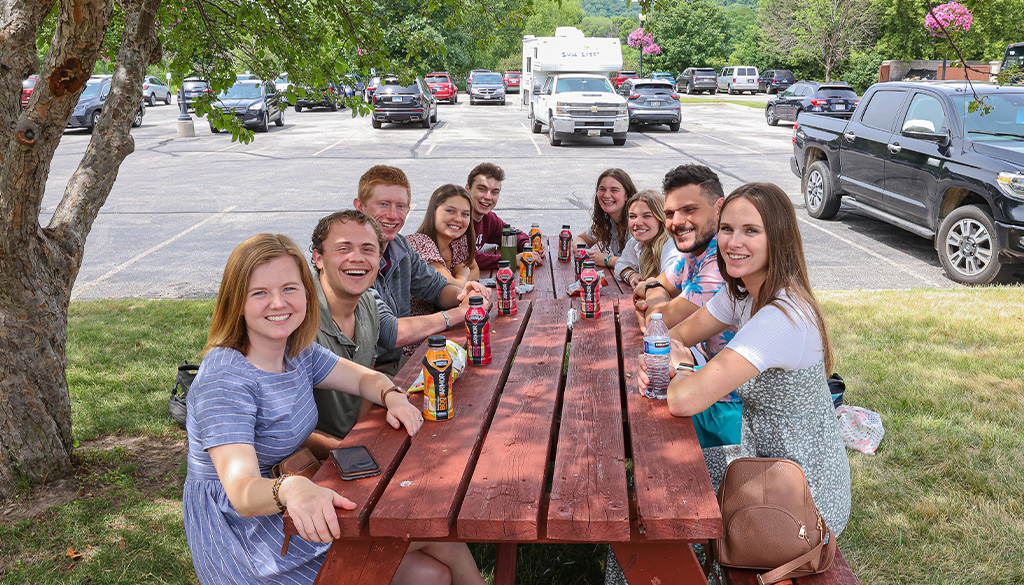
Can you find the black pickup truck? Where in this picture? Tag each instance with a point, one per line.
(915, 155)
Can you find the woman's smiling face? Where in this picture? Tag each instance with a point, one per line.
(452, 217)
(611, 196)
(643, 226)
(743, 244)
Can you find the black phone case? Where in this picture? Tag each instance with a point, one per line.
(354, 463)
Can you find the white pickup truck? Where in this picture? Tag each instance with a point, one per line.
(579, 103)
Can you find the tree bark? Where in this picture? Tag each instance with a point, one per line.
(38, 266)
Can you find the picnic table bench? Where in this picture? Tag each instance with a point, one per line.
(537, 452)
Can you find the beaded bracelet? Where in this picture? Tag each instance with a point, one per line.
(277, 489)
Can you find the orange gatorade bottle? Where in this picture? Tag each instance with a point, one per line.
(535, 239)
(437, 380)
(527, 263)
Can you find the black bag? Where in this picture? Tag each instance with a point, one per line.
(182, 384)
(837, 386)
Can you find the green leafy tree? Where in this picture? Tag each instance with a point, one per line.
(690, 34)
(550, 14)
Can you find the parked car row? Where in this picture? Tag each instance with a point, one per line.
(734, 80)
(829, 99)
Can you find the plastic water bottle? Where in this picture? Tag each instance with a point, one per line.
(657, 350)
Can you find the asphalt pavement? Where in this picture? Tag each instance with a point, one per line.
(180, 205)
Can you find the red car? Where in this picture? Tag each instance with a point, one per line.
(512, 79)
(620, 77)
(442, 87)
(26, 89)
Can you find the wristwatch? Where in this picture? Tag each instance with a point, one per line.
(655, 284)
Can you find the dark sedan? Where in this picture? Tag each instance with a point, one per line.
(255, 103)
(830, 99)
(651, 101)
(393, 102)
(90, 104)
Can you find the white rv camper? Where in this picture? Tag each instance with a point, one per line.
(565, 86)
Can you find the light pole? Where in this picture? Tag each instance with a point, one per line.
(643, 19)
(186, 127)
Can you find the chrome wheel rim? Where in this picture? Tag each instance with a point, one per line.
(771, 114)
(969, 247)
(815, 190)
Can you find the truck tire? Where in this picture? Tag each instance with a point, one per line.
(619, 141)
(769, 114)
(552, 135)
(689, 88)
(820, 195)
(969, 248)
(535, 125)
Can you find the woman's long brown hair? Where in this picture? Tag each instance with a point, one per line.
(602, 221)
(787, 270)
(429, 225)
(650, 253)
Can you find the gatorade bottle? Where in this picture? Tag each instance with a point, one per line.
(527, 262)
(656, 355)
(535, 239)
(437, 380)
(506, 281)
(478, 332)
(579, 257)
(564, 244)
(590, 296)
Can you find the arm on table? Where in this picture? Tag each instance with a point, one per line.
(373, 386)
(311, 506)
(652, 300)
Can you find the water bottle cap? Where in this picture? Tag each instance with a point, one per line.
(436, 341)
(476, 301)
(653, 315)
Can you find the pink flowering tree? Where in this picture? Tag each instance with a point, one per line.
(644, 41)
(951, 18)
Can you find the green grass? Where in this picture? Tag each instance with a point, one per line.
(692, 100)
(940, 502)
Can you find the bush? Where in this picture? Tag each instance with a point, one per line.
(863, 71)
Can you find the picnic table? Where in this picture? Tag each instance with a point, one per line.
(539, 451)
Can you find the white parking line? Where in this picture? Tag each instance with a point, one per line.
(79, 289)
(901, 267)
(433, 144)
(326, 148)
(532, 141)
(727, 142)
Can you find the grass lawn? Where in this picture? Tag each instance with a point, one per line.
(940, 502)
(693, 100)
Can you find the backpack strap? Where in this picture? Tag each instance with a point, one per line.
(780, 573)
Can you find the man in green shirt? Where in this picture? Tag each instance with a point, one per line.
(346, 255)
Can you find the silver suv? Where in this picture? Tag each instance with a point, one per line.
(698, 80)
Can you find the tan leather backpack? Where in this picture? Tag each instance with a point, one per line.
(771, 522)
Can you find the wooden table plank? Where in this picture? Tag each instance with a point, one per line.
(543, 285)
(658, 562)
(675, 499)
(504, 497)
(589, 500)
(426, 490)
(563, 273)
(362, 562)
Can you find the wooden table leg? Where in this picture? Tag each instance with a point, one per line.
(655, 563)
(362, 562)
(505, 564)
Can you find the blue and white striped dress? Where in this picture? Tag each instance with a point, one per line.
(232, 401)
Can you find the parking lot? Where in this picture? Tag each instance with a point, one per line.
(180, 205)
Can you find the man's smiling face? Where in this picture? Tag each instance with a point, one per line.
(350, 260)
(690, 219)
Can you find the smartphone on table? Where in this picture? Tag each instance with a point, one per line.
(354, 463)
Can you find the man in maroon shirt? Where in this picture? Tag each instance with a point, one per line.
(484, 184)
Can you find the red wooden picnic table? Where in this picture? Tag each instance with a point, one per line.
(537, 452)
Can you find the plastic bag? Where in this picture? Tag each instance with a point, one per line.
(861, 428)
(459, 358)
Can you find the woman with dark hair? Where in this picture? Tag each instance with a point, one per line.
(446, 241)
(780, 358)
(608, 233)
(251, 406)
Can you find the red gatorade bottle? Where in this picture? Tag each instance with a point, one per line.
(506, 280)
(478, 332)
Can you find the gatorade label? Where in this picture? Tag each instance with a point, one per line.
(478, 336)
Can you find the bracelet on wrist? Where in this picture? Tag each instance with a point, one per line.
(606, 259)
(276, 491)
(447, 320)
(384, 393)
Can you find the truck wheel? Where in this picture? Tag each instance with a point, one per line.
(552, 135)
(968, 247)
(619, 141)
(820, 195)
(298, 108)
(769, 114)
(535, 125)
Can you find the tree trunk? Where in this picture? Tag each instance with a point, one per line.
(38, 266)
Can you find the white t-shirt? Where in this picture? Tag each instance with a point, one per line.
(630, 257)
(770, 339)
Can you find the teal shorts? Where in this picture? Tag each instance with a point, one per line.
(719, 424)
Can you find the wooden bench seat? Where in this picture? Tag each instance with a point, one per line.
(838, 574)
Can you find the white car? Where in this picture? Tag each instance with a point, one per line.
(579, 103)
(738, 79)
